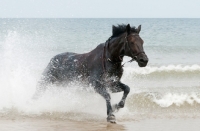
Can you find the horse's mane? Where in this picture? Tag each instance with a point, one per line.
(119, 29)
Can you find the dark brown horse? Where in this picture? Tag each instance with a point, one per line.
(102, 67)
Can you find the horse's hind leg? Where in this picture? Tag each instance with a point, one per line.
(42, 86)
(48, 78)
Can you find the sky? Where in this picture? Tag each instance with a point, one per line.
(99, 8)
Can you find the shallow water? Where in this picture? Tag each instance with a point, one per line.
(168, 87)
(139, 125)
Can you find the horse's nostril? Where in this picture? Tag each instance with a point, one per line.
(142, 60)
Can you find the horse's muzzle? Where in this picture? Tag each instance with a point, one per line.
(142, 60)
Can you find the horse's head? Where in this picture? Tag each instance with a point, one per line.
(134, 46)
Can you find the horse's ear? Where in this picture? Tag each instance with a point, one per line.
(139, 29)
(128, 28)
(113, 29)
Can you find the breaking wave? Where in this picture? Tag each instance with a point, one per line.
(162, 70)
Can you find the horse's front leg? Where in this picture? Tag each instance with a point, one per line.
(122, 87)
(99, 88)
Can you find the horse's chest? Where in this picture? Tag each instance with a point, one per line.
(115, 71)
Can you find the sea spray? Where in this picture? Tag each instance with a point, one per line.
(169, 85)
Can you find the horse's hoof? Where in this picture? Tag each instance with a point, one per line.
(113, 122)
(111, 119)
(121, 104)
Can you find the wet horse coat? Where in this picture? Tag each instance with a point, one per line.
(101, 67)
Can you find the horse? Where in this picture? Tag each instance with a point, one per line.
(102, 67)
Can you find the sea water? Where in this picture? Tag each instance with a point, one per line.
(168, 86)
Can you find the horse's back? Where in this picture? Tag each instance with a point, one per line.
(64, 56)
(70, 66)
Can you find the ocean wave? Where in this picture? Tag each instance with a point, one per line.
(173, 72)
(167, 69)
(91, 107)
(164, 100)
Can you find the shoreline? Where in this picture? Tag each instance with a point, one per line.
(149, 124)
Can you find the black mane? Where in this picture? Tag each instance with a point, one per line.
(119, 29)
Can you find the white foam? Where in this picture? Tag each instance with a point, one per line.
(177, 99)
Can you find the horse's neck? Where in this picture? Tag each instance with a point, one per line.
(115, 48)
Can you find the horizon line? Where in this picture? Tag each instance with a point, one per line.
(99, 18)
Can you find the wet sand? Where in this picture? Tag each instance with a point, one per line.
(32, 124)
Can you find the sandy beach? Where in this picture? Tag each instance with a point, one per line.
(153, 124)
